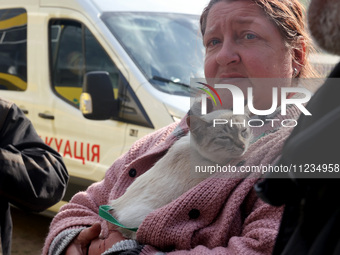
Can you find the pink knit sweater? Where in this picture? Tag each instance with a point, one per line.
(231, 218)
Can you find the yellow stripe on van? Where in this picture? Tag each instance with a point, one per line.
(12, 82)
(73, 93)
(16, 21)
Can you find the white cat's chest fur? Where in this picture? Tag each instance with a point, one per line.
(169, 178)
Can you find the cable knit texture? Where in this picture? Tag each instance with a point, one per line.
(231, 218)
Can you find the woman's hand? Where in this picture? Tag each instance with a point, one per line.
(80, 245)
(98, 246)
(89, 243)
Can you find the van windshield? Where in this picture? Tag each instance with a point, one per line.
(166, 47)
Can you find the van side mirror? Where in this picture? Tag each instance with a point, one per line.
(97, 99)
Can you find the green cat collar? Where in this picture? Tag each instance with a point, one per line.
(104, 213)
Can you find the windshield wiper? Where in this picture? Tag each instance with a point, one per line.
(158, 78)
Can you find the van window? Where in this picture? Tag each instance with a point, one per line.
(13, 49)
(75, 51)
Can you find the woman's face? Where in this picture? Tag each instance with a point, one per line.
(241, 42)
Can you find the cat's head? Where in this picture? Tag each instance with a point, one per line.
(220, 136)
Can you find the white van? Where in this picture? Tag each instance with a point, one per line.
(146, 51)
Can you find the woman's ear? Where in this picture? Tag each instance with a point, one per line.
(299, 54)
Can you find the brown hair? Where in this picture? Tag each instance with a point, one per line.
(289, 18)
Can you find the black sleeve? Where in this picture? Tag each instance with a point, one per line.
(32, 175)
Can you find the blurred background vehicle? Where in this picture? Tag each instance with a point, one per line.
(146, 51)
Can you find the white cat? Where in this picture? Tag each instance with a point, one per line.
(171, 176)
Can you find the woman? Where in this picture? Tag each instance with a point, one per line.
(243, 39)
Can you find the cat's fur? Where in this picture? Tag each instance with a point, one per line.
(170, 177)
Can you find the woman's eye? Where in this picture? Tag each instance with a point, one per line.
(249, 36)
(213, 42)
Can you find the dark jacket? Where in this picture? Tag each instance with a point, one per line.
(33, 176)
(311, 219)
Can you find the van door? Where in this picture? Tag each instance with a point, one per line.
(88, 147)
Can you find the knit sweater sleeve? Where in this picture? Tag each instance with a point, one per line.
(82, 210)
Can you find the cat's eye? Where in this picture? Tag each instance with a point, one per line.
(223, 140)
(227, 139)
(244, 133)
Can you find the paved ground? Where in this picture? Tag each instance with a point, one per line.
(29, 232)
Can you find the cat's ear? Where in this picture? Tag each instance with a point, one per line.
(210, 106)
(247, 112)
(196, 124)
(196, 107)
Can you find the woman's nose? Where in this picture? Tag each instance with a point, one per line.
(227, 54)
